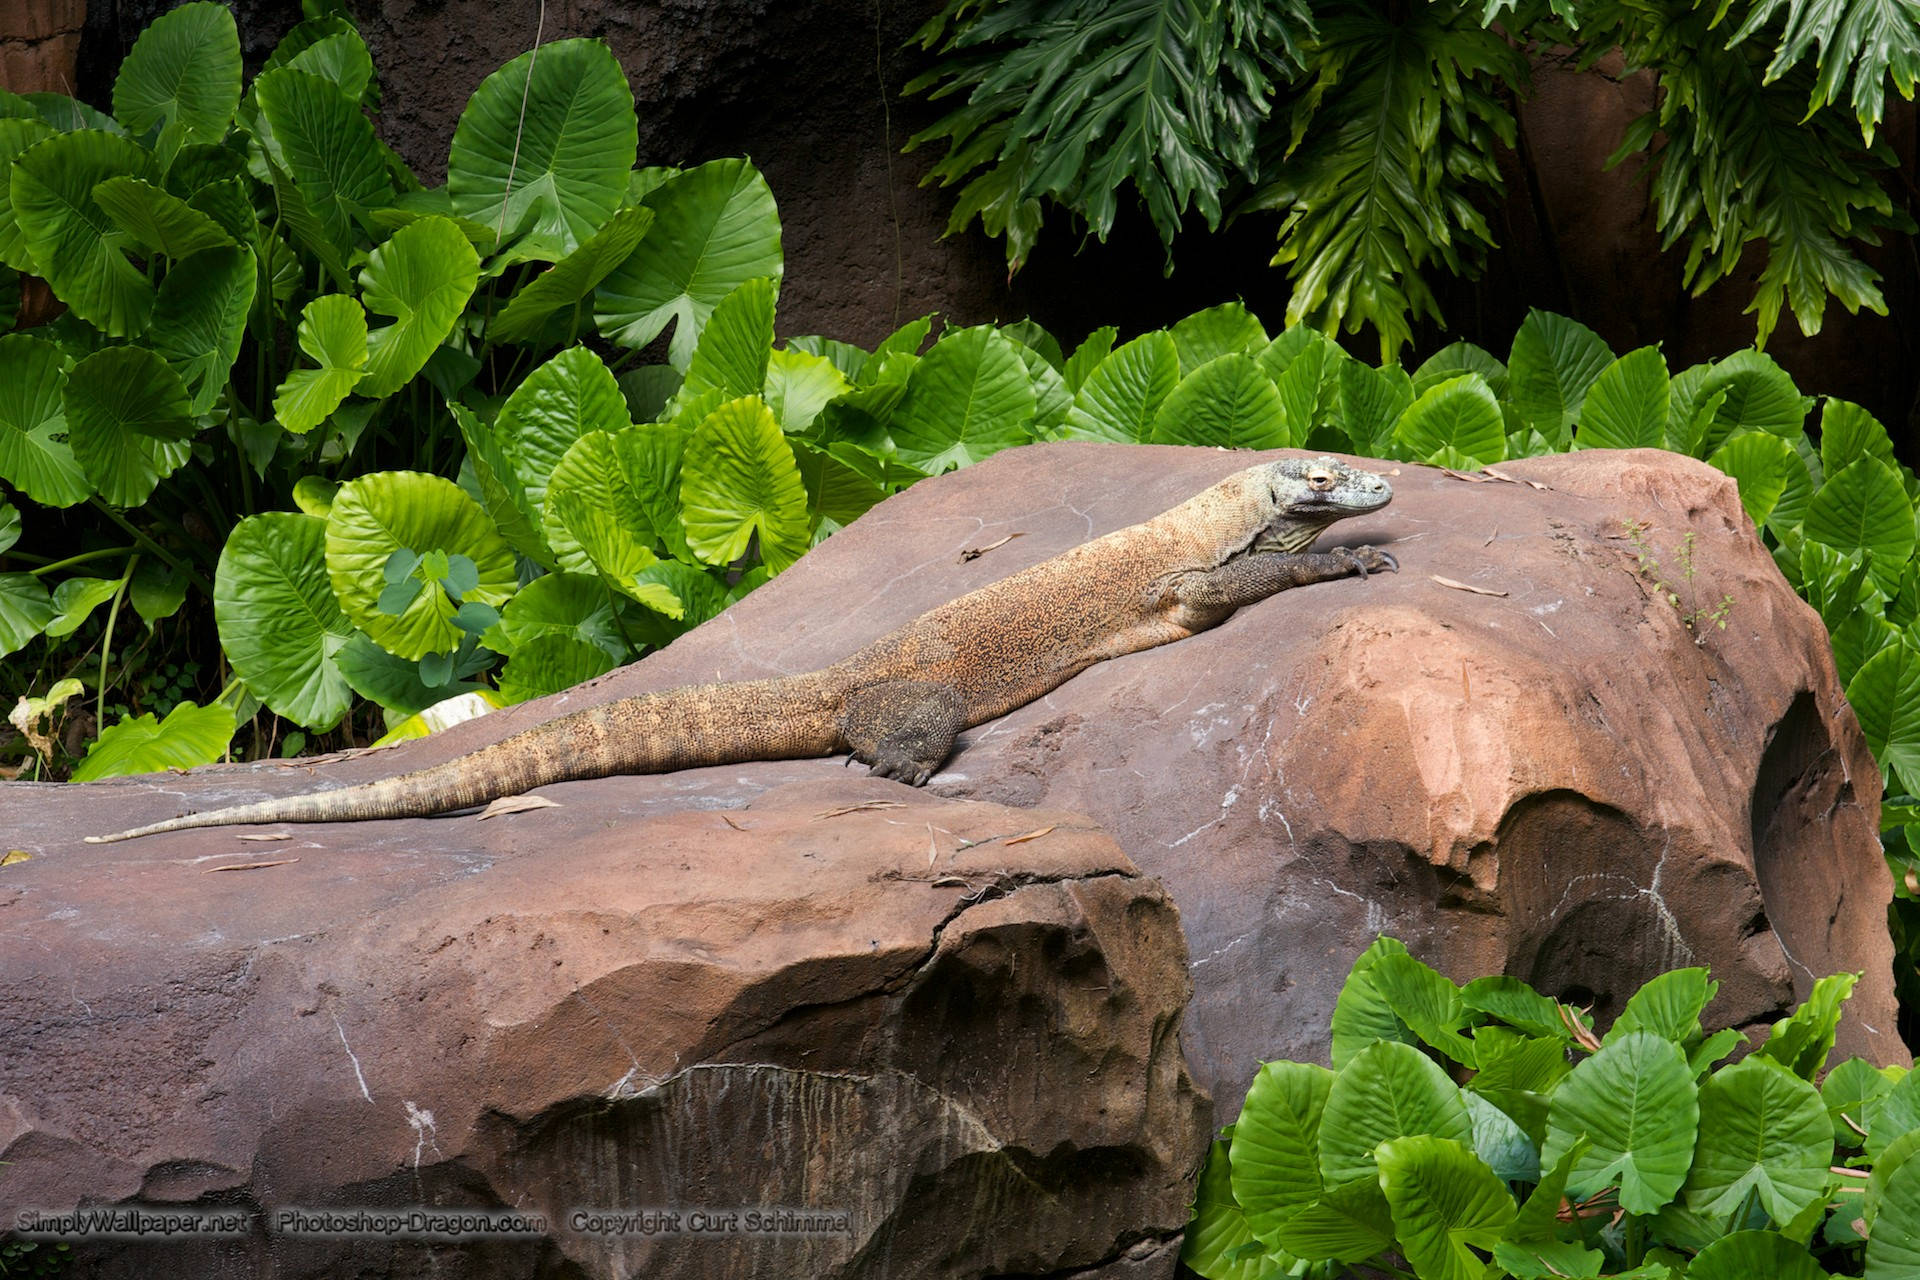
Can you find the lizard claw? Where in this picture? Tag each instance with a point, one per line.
(1366, 560)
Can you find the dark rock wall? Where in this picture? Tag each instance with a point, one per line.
(810, 92)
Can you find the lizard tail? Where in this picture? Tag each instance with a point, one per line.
(784, 719)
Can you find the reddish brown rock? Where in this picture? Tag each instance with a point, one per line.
(965, 1051)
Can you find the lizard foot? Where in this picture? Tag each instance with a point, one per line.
(1367, 560)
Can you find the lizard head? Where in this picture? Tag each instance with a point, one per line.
(1305, 495)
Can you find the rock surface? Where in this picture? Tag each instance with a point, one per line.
(965, 1055)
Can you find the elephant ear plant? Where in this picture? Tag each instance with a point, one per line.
(1487, 1131)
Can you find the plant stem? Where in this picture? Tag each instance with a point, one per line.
(106, 641)
(82, 558)
(148, 544)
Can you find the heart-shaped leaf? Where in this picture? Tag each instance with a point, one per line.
(422, 277)
(35, 457)
(200, 317)
(333, 333)
(70, 239)
(128, 420)
(280, 625)
(738, 481)
(190, 735)
(183, 71)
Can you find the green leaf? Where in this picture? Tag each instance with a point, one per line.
(839, 488)
(1761, 464)
(1547, 1260)
(157, 220)
(75, 599)
(1746, 1254)
(16, 135)
(1086, 357)
(739, 480)
(1445, 1202)
(422, 277)
(1517, 1004)
(326, 146)
(331, 48)
(1846, 1092)
(333, 334)
(564, 399)
(547, 664)
(1554, 363)
(1361, 1013)
(1762, 1131)
(570, 282)
(1459, 358)
(9, 524)
(279, 624)
(1519, 1076)
(1309, 385)
(190, 735)
(1885, 695)
(1204, 336)
(1218, 1245)
(35, 457)
(395, 684)
(378, 514)
(1456, 423)
(185, 70)
(1636, 1104)
(1669, 1005)
(799, 386)
(715, 228)
(1849, 433)
(967, 398)
(1801, 1042)
(25, 611)
(1889, 1162)
(128, 420)
(731, 356)
(1865, 508)
(550, 137)
(157, 591)
(596, 519)
(1759, 397)
(70, 239)
(200, 317)
(559, 604)
(1869, 44)
(1427, 1003)
(1388, 1090)
(1499, 1140)
(1893, 1115)
(1371, 401)
(1121, 397)
(1893, 1250)
(1275, 1145)
(1228, 403)
(1626, 408)
(1350, 1224)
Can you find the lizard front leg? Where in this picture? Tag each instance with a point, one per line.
(1201, 598)
(903, 728)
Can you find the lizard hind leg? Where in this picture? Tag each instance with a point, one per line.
(903, 729)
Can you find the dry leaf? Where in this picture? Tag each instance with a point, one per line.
(1031, 835)
(730, 822)
(974, 553)
(1463, 475)
(250, 866)
(1462, 586)
(14, 855)
(863, 807)
(517, 804)
(949, 882)
(1501, 475)
(263, 836)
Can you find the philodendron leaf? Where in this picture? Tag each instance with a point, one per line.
(1387, 1090)
(190, 735)
(559, 402)
(1227, 402)
(1371, 402)
(1893, 1115)
(1668, 1005)
(75, 599)
(1885, 695)
(739, 480)
(731, 356)
(1350, 1224)
(569, 283)
(1636, 1104)
(25, 610)
(1849, 433)
(387, 511)
(1762, 1131)
(1846, 1091)
(16, 135)
(35, 457)
(422, 277)
(333, 334)
(1426, 1002)
(1865, 508)
(1455, 359)
(1626, 407)
(280, 625)
(157, 220)
(799, 386)
(1456, 423)
(1553, 365)
(1758, 396)
(128, 420)
(1122, 396)
(1361, 1013)
(597, 522)
(69, 237)
(183, 71)
(499, 491)
(1218, 1243)
(200, 317)
(548, 664)
(1744, 1255)
(968, 398)
(326, 146)
(550, 137)
(1893, 1250)
(1761, 464)
(715, 228)
(1517, 1004)
(1275, 1145)
(1801, 1042)
(559, 604)
(1228, 329)
(1445, 1203)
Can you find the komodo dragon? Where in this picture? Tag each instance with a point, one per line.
(899, 703)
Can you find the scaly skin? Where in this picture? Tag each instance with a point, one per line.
(899, 703)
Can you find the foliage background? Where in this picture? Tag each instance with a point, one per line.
(811, 92)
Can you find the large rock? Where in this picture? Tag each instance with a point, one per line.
(961, 1054)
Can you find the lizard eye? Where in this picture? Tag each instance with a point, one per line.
(1320, 481)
